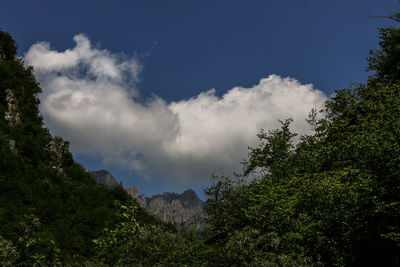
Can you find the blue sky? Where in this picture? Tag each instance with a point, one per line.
(167, 55)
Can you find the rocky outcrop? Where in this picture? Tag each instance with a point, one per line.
(56, 149)
(12, 115)
(104, 177)
(13, 147)
(185, 211)
(134, 193)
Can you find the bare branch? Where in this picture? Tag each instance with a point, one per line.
(395, 17)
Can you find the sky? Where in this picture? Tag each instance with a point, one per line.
(164, 93)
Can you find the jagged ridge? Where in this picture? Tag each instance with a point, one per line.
(185, 211)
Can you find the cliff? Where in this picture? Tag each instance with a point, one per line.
(185, 211)
(104, 177)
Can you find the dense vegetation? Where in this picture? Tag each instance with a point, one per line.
(51, 210)
(333, 198)
(327, 199)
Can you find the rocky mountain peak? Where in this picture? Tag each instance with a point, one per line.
(104, 177)
(189, 198)
(168, 197)
(184, 211)
(133, 191)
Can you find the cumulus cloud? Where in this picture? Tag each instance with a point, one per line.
(89, 98)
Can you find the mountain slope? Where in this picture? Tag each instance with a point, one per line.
(51, 209)
(185, 211)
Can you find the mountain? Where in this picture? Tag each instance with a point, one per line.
(185, 211)
(104, 177)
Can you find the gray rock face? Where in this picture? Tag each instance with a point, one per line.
(185, 211)
(134, 193)
(12, 115)
(56, 149)
(104, 177)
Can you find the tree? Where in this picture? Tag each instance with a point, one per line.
(334, 197)
(129, 243)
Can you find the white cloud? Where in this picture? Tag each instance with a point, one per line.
(89, 99)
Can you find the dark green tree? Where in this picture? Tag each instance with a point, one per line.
(334, 197)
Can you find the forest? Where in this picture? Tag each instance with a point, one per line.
(331, 198)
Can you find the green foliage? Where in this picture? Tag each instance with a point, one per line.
(8, 253)
(385, 61)
(273, 156)
(35, 248)
(8, 48)
(331, 199)
(31, 249)
(50, 207)
(129, 244)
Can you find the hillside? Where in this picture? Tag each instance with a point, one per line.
(51, 209)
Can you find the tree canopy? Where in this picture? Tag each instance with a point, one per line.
(332, 198)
